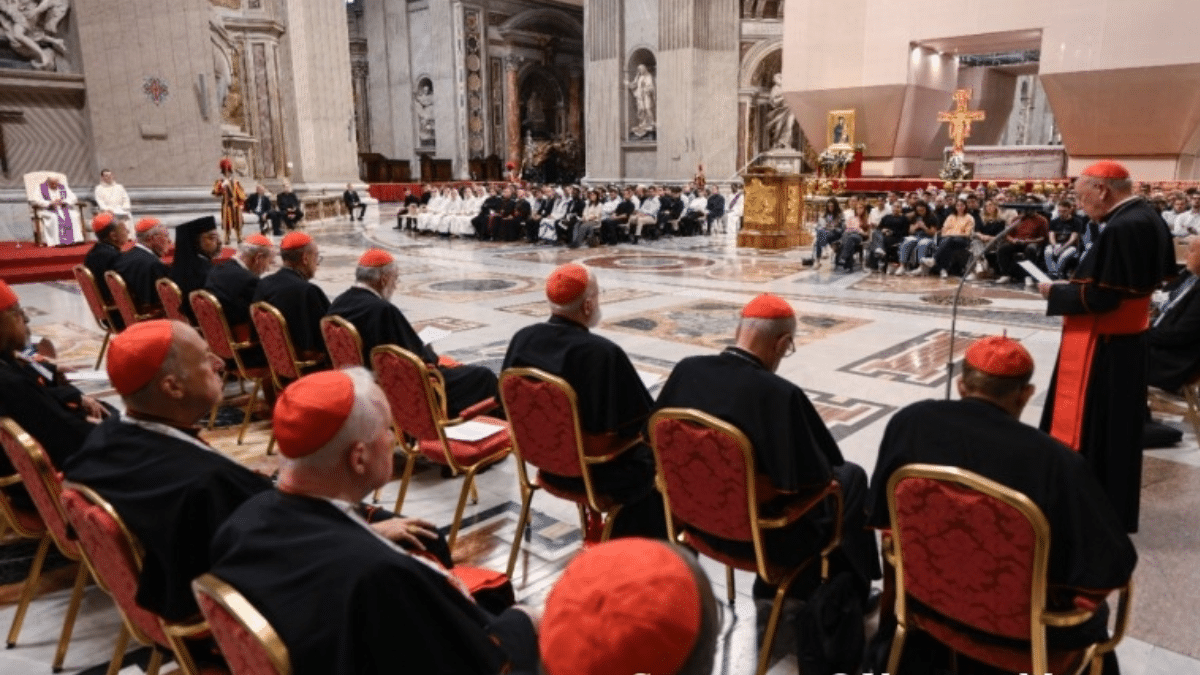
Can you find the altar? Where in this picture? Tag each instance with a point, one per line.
(1015, 161)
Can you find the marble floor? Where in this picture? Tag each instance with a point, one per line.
(866, 346)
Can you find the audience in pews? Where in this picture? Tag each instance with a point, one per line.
(141, 266)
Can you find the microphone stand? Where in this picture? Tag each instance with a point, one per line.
(994, 243)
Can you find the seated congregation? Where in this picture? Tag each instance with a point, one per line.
(730, 462)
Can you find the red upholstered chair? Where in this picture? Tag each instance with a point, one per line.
(124, 301)
(247, 641)
(43, 484)
(100, 309)
(114, 557)
(974, 553)
(276, 342)
(172, 300)
(215, 329)
(417, 395)
(543, 418)
(342, 342)
(707, 476)
(26, 525)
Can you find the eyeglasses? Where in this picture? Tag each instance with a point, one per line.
(791, 348)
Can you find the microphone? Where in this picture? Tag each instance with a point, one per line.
(974, 260)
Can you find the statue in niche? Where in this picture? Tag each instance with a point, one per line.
(426, 126)
(535, 115)
(229, 86)
(781, 121)
(31, 29)
(642, 88)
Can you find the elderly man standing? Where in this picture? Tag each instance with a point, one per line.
(343, 598)
(793, 449)
(613, 403)
(1097, 395)
(367, 304)
(171, 488)
(141, 266)
(291, 291)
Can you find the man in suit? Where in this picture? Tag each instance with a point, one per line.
(352, 201)
(1174, 338)
(141, 266)
(289, 210)
(716, 206)
(260, 205)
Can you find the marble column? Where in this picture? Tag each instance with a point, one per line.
(574, 104)
(512, 109)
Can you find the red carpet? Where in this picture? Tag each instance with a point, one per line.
(23, 263)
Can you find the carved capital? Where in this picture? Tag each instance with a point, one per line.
(512, 63)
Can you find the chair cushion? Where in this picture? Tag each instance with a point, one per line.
(747, 564)
(1015, 658)
(468, 453)
(578, 496)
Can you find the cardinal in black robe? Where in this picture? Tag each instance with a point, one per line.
(234, 286)
(111, 235)
(1097, 396)
(141, 266)
(301, 302)
(1174, 338)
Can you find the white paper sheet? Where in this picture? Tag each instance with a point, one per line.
(430, 334)
(472, 431)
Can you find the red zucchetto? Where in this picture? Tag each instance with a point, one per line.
(311, 411)
(8, 299)
(101, 222)
(295, 240)
(257, 240)
(137, 353)
(376, 258)
(1000, 357)
(567, 284)
(767, 306)
(626, 606)
(1107, 169)
(147, 224)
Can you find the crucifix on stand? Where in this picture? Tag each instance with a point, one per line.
(7, 116)
(960, 120)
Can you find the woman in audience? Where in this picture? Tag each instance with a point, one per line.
(956, 238)
(858, 227)
(829, 229)
(922, 236)
(994, 223)
(589, 221)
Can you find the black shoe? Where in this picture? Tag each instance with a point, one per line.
(635, 239)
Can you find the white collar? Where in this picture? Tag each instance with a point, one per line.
(359, 284)
(168, 430)
(145, 248)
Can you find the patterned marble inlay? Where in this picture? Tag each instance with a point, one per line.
(649, 262)
(608, 297)
(468, 289)
(549, 255)
(712, 324)
(448, 323)
(755, 271)
(921, 360)
(845, 416)
(880, 283)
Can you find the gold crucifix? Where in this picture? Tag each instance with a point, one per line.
(960, 120)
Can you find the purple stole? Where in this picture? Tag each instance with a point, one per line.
(66, 230)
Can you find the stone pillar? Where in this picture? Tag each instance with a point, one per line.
(574, 104)
(512, 109)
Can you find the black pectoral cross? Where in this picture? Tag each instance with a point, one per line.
(7, 116)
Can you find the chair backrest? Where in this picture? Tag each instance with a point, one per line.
(406, 380)
(213, 326)
(91, 293)
(247, 641)
(114, 556)
(342, 342)
(706, 467)
(276, 341)
(969, 548)
(34, 179)
(543, 417)
(121, 297)
(41, 481)
(172, 299)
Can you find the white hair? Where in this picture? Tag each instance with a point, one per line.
(369, 414)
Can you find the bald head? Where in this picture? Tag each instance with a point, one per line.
(768, 339)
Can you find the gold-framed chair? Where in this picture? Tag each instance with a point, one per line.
(42, 482)
(543, 417)
(123, 300)
(101, 311)
(707, 476)
(942, 516)
(276, 342)
(247, 641)
(417, 395)
(172, 300)
(210, 316)
(33, 185)
(342, 342)
(114, 556)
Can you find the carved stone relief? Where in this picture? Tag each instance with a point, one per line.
(31, 29)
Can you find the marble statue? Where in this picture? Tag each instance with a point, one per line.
(642, 88)
(31, 30)
(780, 118)
(426, 126)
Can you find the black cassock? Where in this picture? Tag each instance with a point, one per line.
(301, 302)
(47, 408)
(609, 394)
(346, 602)
(792, 447)
(172, 494)
(1174, 340)
(140, 269)
(1097, 396)
(379, 322)
(233, 286)
(190, 278)
(100, 259)
(1088, 545)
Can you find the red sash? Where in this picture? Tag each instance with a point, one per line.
(1079, 337)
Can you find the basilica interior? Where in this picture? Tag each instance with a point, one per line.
(608, 92)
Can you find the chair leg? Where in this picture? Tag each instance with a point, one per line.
(468, 483)
(519, 534)
(897, 647)
(1193, 404)
(64, 639)
(27, 593)
(609, 519)
(103, 348)
(730, 590)
(156, 659)
(408, 471)
(583, 524)
(764, 658)
(271, 443)
(212, 416)
(474, 493)
(118, 655)
(249, 409)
